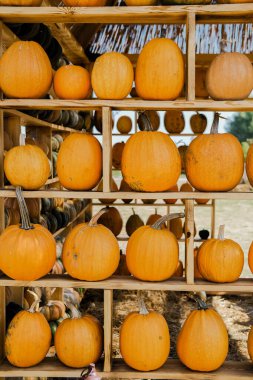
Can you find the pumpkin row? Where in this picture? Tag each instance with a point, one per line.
(159, 74)
(202, 343)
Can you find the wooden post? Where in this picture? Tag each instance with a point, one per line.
(191, 46)
(107, 148)
(2, 322)
(189, 240)
(108, 306)
(213, 218)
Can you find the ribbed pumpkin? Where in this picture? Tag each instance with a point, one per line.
(198, 123)
(150, 161)
(202, 343)
(159, 71)
(223, 81)
(250, 343)
(84, 3)
(133, 223)
(71, 335)
(112, 220)
(144, 340)
(25, 71)
(26, 166)
(152, 252)
(28, 338)
(21, 3)
(250, 257)
(124, 124)
(27, 252)
(117, 151)
(220, 260)
(114, 187)
(172, 201)
(153, 118)
(200, 83)
(174, 121)
(134, 3)
(125, 187)
(249, 164)
(72, 82)
(116, 86)
(91, 252)
(205, 155)
(79, 162)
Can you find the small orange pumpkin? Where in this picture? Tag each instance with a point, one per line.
(249, 164)
(72, 82)
(124, 124)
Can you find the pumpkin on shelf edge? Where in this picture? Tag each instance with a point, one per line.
(26, 71)
(250, 257)
(151, 150)
(159, 73)
(249, 164)
(79, 162)
(152, 252)
(153, 117)
(117, 151)
(203, 158)
(133, 223)
(85, 3)
(173, 189)
(112, 220)
(27, 252)
(125, 187)
(174, 121)
(91, 251)
(28, 338)
(202, 344)
(70, 337)
(113, 87)
(220, 260)
(150, 348)
(114, 187)
(198, 123)
(72, 82)
(124, 124)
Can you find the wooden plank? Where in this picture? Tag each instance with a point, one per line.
(108, 313)
(2, 323)
(107, 148)
(130, 104)
(117, 204)
(189, 241)
(190, 46)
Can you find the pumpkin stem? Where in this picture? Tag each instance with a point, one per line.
(147, 123)
(201, 304)
(133, 210)
(25, 220)
(94, 219)
(35, 305)
(74, 311)
(221, 232)
(142, 306)
(158, 224)
(215, 125)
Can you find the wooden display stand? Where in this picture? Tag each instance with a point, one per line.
(189, 15)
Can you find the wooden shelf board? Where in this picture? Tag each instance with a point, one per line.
(128, 15)
(129, 104)
(155, 205)
(171, 370)
(126, 238)
(170, 134)
(130, 283)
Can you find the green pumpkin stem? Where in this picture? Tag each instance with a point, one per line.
(158, 224)
(25, 219)
(221, 234)
(215, 125)
(94, 219)
(201, 304)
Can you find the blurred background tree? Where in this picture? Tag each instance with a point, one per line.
(241, 126)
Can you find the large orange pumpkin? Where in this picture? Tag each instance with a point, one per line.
(116, 86)
(249, 164)
(152, 252)
(214, 162)
(72, 82)
(84, 3)
(91, 252)
(223, 81)
(250, 257)
(21, 3)
(27, 252)
(150, 161)
(202, 343)
(145, 340)
(79, 162)
(159, 71)
(25, 71)
(27, 166)
(250, 343)
(79, 340)
(27, 339)
(220, 260)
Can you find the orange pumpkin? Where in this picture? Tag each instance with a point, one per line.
(116, 86)
(117, 151)
(26, 71)
(159, 71)
(79, 162)
(26, 166)
(198, 123)
(200, 83)
(205, 155)
(21, 3)
(84, 3)
(144, 340)
(152, 252)
(91, 252)
(143, 161)
(72, 82)
(220, 260)
(172, 201)
(27, 252)
(27, 339)
(70, 337)
(124, 124)
(174, 121)
(202, 343)
(250, 257)
(197, 273)
(250, 343)
(223, 81)
(249, 164)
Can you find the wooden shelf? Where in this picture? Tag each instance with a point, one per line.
(244, 285)
(129, 15)
(152, 205)
(170, 134)
(126, 238)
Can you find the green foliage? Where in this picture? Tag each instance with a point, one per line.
(241, 126)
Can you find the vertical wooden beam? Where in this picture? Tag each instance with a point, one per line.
(189, 240)
(2, 322)
(191, 46)
(107, 148)
(213, 210)
(108, 311)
